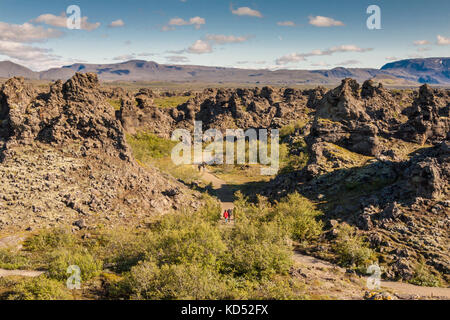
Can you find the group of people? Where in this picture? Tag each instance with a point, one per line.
(227, 215)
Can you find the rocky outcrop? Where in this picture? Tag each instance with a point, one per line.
(429, 120)
(341, 118)
(65, 157)
(221, 109)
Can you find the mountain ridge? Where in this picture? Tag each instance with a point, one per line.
(428, 70)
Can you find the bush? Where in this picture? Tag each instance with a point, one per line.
(60, 260)
(174, 282)
(40, 288)
(121, 248)
(48, 240)
(351, 249)
(299, 216)
(423, 277)
(279, 288)
(11, 260)
(182, 238)
(257, 250)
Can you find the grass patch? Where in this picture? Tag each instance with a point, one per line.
(151, 150)
(170, 102)
(116, 104)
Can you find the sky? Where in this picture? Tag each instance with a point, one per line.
(260, 34)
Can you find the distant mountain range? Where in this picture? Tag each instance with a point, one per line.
(408, 72)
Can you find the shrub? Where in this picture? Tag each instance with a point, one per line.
(121, 248)
(423, 277)
(11, 260)
(60, 260)
(47, 240)
(40, 288)
(174, 282)
(182, 238)
(299, 216)
(279, 288)
(351, 249)
(257, 250)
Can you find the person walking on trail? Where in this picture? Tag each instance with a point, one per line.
(230, 213)
(225, 215)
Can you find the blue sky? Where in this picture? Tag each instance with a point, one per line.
(249, 34)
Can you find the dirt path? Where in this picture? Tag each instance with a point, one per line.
(20, 273)
(15, 242)
(222, 190)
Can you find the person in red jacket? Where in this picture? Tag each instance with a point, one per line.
(226, 215)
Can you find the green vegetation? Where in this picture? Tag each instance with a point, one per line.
(182, 255)
(170, 102)
(116, 104)
(11, 260)
(290, 162)
(423, 277)
(291, 128)
(351, 249)
(145, 146)
(151, 150)
(41, 288)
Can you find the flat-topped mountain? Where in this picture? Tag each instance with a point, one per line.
(413, 71)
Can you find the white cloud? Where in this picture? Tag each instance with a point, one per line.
(320, 21)
(220, 38)
(200, 47)
(61, 21)
(290, 58)
(421, 42)
(117, 24)
(197, 22)
(26, 32)
(297, 57)
(32, 57)
(423, 49)
(246, 11)
(443, 41)
(286, 23)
